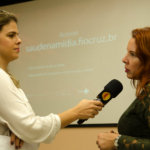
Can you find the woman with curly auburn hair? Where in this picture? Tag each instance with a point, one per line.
(134, 124)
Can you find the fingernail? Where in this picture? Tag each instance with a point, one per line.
(12, 143)
(16, 147)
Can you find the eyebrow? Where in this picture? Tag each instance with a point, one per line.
(13, 32)
(132, 51)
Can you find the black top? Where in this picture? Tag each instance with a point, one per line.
(134, 125)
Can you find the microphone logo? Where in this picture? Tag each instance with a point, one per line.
(106, 96)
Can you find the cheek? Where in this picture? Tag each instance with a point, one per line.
(138, 65)
(4, 43)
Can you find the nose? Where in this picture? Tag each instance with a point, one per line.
(124, 59)
(18, 40)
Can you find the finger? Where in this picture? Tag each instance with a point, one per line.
(112, 131)
(21, 144)
(93, 116)
(99, 108)
(98, 103)
(94, 113)
(17, 142)
(12, 139)
(101, 104)
(97, 144)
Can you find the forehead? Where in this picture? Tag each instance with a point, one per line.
(10, 27)
(131, 45)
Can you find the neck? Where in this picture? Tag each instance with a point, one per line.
(3, 65)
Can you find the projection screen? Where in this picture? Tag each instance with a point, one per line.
(72, 48)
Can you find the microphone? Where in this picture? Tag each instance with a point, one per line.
(111, 90)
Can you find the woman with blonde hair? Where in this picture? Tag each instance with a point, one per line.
(16, 114)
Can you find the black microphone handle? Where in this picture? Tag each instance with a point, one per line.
(80, 121)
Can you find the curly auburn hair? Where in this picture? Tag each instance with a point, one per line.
(142, 39)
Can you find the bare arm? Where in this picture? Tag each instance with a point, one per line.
(84, 110)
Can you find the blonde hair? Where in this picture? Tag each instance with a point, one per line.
(15, 81)
(6, 18)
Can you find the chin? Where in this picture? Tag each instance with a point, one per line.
(14, 58)
(129, 77)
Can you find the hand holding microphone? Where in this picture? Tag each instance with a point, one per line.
(84, 110)
(88, 108)
(111, 90)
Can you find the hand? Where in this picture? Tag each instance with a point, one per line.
(88, 108)
(14, 139)
(84, 110)
(18, 142)
(105, 141)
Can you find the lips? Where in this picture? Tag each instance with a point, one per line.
(126, 70)
(17, 49)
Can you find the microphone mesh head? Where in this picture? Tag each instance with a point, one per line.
(114, 87)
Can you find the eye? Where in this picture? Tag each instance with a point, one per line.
(11, 35)
(133, 54)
